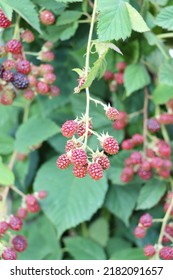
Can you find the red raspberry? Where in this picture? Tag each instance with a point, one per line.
(79, 157)
(82, 128)
(14, 46)
(95, 171)
(127, 144)
(63, 162)
(164, 173)
(42, 194)
(112, 113)
(164, 149)
(15, 223)
(42, 88)
(55, 91)
(119, 78)
(136, 157)
(47, 56)
(3, 227)
(149, 250)
(166, 253)
(169, 231)
(153, 125)
(32, 203)
(8, 76)
(30, 199)
(33, 208)
(18, 56)
(47, 17)
(137, 139)
(127, 174)
(46, 68)
(29, 94)
(103, 161)
(167, 164)
(143, 174)
(166, 118)
(9, 64)
(49, 78)
(150, 153)
(128, 162)
(146, 220)
(108, 76)
(110, 145)
(6, 98)
(80, 171)
(140, 232)
(70, 145)
(121, 66)
(156, 162)
(9, 254)
(23, 66)
(22, 213)
(27, 36)
(145, 165)
(4, 21)
(32, 80)
(19, 243)
(69, 128)
(119, 124)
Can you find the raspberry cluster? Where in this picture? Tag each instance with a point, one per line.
(18, 73)
(116, 78)
(17, 243)
(76, 150)
(4, 21)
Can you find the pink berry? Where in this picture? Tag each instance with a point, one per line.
(153, 125)
(4, 21)
(140, 232)
(79, 157)
(47, 56)
(119, 78)
(150, 153)
(8, 76)
(112, 113)
(19, 243)
(156, 162)
(108, 76)
(15, 223)
(14, 46)
(30, 199)
(55, 91)
(69, 128)
(42, 194)
(95, 171)
(80, 171)
(166, 253)
(164, 149)
(143, 174)
(169, 231)
(63, 162)
(127, 144)
(110, 145)
(145, 165)
(121, 66)
(82, 128)
(46, 68)
(103, 161)
(23, 66)
(119, 124)
(27, 36)
(136, 157)
(149, 250)
(6, 98)
(49, 78)
(29, 94)
(137, 139)
(9, 64)
(22, 213)
(9, 254)
(166, 118)
(32, 80)
(47, 17)
(42, 87)
(3, 227)
(146, 220)
(127, 174)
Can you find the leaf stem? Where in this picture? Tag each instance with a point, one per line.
(145, 117)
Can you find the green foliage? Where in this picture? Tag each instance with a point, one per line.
(6, 175)
(162, 94)
(165, 18)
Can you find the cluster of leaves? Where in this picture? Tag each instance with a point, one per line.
(81, 217)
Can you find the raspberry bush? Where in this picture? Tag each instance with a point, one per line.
(86, 106)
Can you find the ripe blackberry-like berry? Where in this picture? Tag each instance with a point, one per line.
(20, 81)
(146, 220)
(121, 66)
(153, 125)
(69, 128)
(149, 250)
(108, 76)
(140, 232)
(42, 88)
(47, 17)
(14, 46)
(166, 253)
(4, 21)
(27, 36)
(80, 171)
(143, 174)
(137, 139)
(19, 243)
(95, 171)
(1, 70)
(110, 145)
(22, 213)
(119, 78)
(15, 223)
(23, 66)
(8, 76)
(3, 227)
(9, 254)
(112, 113)
(63, 161)
(136, 157)
(79, 157)
(127, 144)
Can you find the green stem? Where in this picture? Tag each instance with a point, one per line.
(165, 35)
(16, 34)
(84, 230)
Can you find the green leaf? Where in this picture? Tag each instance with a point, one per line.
(97, 71)
(162, 94)
(99, 231)
(137, 22)
(34, 132)
(52, 5)
(7, 10)
(151, 194)
(6, 175)
(71, 200)
(135, 78)
(68, 1)
(165, 73)
(68, 17)
(116, 244)
(113, 21)
(121, 201)
(26, 11)
(6, 144)
(165, 18)
(68, 31)
(84, 248)
(129, 254)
